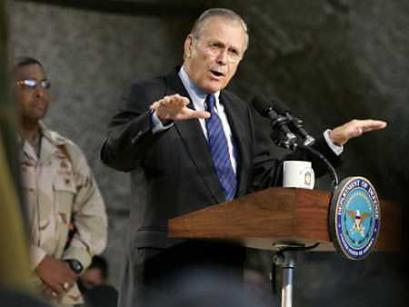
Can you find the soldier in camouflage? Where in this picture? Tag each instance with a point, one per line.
(68, 223)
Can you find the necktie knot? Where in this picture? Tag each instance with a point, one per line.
(210, 102)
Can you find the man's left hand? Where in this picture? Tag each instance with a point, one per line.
(354, 128)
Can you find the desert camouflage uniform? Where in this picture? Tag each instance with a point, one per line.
(60, 193)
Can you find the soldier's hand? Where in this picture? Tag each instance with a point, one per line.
(49, 293)
(174, 107)
(354, 128)
(56, 274)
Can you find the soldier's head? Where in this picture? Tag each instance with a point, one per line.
(214, 49)
(31, 90)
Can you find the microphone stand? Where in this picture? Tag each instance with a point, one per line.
(285, 139)
(298, 125)
(286, 254)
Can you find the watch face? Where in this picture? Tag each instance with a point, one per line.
(75, 265)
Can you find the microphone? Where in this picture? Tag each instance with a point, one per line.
(296, 122)
(281, 116)
(265, 108)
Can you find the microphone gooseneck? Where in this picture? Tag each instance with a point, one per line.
(294, 121)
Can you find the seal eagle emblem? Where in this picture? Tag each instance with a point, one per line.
(355, 217)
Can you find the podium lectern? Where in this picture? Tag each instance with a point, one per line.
(278, 217)
(274, 216)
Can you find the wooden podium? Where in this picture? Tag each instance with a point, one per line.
(267, 219)
(286, 220)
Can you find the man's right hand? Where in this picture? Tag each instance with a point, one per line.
(56, 274)
(174, 108)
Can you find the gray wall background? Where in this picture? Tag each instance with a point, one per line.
(331, 61)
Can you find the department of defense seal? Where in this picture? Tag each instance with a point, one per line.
(355, 217)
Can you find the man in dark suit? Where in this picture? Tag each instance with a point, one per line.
(189, 144)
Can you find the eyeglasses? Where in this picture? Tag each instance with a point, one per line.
(233, 56)
(216, 48)
(33, 84)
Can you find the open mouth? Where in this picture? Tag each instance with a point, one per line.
(216, 73)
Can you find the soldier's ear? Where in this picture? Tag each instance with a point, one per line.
(188, 46)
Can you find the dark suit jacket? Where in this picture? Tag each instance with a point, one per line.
(172, 171)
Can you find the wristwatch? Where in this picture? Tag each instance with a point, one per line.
(75, 265)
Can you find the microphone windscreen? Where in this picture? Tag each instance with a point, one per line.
(279, 106)
(261, 105)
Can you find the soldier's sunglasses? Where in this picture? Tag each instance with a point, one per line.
(33, 84)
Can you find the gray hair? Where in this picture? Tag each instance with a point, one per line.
(218, 12)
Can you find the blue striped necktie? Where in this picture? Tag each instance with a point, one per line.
(220, 151)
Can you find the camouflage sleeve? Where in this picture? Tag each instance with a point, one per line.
(89, 216)
(37, 255)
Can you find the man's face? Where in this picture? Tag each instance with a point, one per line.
(212, 58)
(32, 97)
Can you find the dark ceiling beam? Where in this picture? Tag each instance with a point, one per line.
(135, 8)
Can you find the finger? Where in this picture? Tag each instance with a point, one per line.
(174, 111)
(370, 125)
(168, 104)
(160, 102)
(169, 98)
(70, 276)
(172, 105)
(200, 114)
(49, 292)
(359, 127)
(154, 105)
(356, 132)
(192, 114)
(362, 126)
(177, 100)
(184, 100)
(55, 294)
(67, 286)
(57, 289)
(178, 97)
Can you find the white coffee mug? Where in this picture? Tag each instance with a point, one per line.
(298, 174)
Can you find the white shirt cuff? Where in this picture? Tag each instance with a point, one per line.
(335, 148)
(157, 125)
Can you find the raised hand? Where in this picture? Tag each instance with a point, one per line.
(354, 128)
(174, 107)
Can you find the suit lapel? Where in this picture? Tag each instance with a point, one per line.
(195, 142)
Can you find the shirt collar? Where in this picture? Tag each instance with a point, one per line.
(52, 136)
(197, 95)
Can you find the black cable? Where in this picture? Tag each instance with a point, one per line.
(333, 172)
